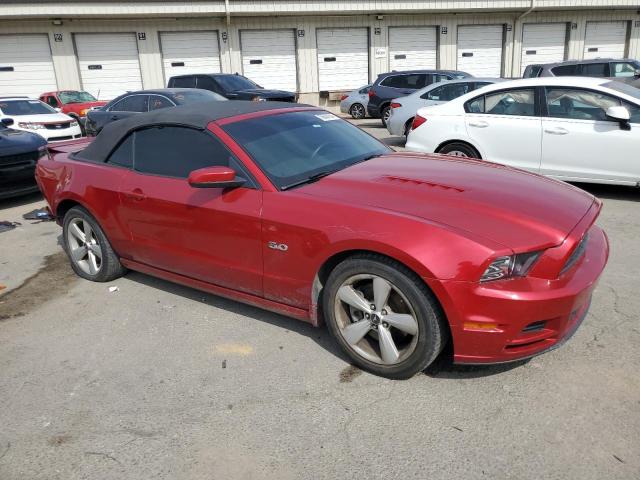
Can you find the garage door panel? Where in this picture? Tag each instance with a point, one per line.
(543, 43)
(343, 58)
(412, 48)
(480, 50)
(190, 52)
(109, 63)
(28, 64)
(605, 39)
(269, 58)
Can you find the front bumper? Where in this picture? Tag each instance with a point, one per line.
(510, 320)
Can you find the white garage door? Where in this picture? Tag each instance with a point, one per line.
(108, 62)
(480, 50)
(343, 58)
(189, 52)
(412, 48)
(269, 58)
(543, 43)
(605, 39)
(25, 65)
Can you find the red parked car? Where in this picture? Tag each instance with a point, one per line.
(74, 103)
(292, 209)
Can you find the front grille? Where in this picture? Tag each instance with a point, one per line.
(59, 139)
(20, 160)
(57, 125)
(577, 254)
(534, 327)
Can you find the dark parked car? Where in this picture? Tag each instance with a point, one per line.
(231, 86)
(624, 70)
(19, 153)
(142, 101)
(398, 84)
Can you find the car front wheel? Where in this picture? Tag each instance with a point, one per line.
(385, 114)
(383, 316)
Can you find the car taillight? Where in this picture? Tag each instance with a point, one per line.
(343, 97)
(417, 121)
(395, 105)
(371, 93)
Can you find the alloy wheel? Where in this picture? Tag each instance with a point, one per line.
(375, 319)
(84, 248)
(357, 111)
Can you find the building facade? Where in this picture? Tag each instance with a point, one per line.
(313, 47)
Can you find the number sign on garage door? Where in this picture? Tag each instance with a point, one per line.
(269, 58)
(543, 43)
(189, 52)
(412, 48)
(108, 62)
(26, 67)
(343, 58)
(480, 50)
(605, 39)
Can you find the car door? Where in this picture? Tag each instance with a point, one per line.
(210, 234)
(580, 142)
(506, 127)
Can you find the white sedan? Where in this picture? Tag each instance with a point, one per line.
(38, 117)
(571, 128)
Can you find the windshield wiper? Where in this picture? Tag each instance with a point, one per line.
(311, 178)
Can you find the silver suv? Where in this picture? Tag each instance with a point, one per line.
(624, 70)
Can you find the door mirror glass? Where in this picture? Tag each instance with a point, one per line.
(7, 122)
(215, 177)
(637, 73)
(619, 114)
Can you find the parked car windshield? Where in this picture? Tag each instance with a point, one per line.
(291, 148)
(24, 107)
(195, 96)
(76, 97)
(235, 82)
(624, 88)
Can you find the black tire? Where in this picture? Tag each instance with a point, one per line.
(407, 127)
(459, 149)
(110, 267)
(357, 111)
(432, 328)
(384, 113)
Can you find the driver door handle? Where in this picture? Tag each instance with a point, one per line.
(478, 123)
(136, 194)
(556, 131)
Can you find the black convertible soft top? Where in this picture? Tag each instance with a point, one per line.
(197, 115)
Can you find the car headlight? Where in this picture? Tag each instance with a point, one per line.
(74, 123)
(83, 112)
(30, 125)
(259, 99)
(510, 266)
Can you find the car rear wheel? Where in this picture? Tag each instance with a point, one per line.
(407, 127)
(385, 114)
(459, 149)
(89, 251)
(383, 317)
(357, 111)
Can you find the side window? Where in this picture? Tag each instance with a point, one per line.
(132, 103)
(634, 111)
(511, 102)
(565, 70)
(595, 70)
(434, 94)
(622, 69)
(123, 154)
(478, 85)
(207, 83)
(532, 71)
(156, 102)
(446, 93)
(437, 77)
(394, 81)
(475, 105)
(184, 82)
(578, 104)
(53, 102)
(177, 151)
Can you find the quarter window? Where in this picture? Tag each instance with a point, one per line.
(623, 69)
(132, 103)
(578, 104)
(123, 154)
(156, 102)
(446, 93)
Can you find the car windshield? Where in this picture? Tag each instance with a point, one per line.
(75, 97)
(298, 147)
(24, 107)
(195, 96)
(232, 83)
(624, 88)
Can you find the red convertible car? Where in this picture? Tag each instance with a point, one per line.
(292, 209)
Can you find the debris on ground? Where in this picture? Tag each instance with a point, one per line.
(224, 364)
(113, 289)
(41, 214)
(5, 225)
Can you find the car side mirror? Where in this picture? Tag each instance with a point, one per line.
(215, 177)
(637, 73)
(7, 122)
(621, 115)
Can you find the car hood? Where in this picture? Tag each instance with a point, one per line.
(42, 118)
(83, 105)
(14, 142)
(517, 209)
(265, 93)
